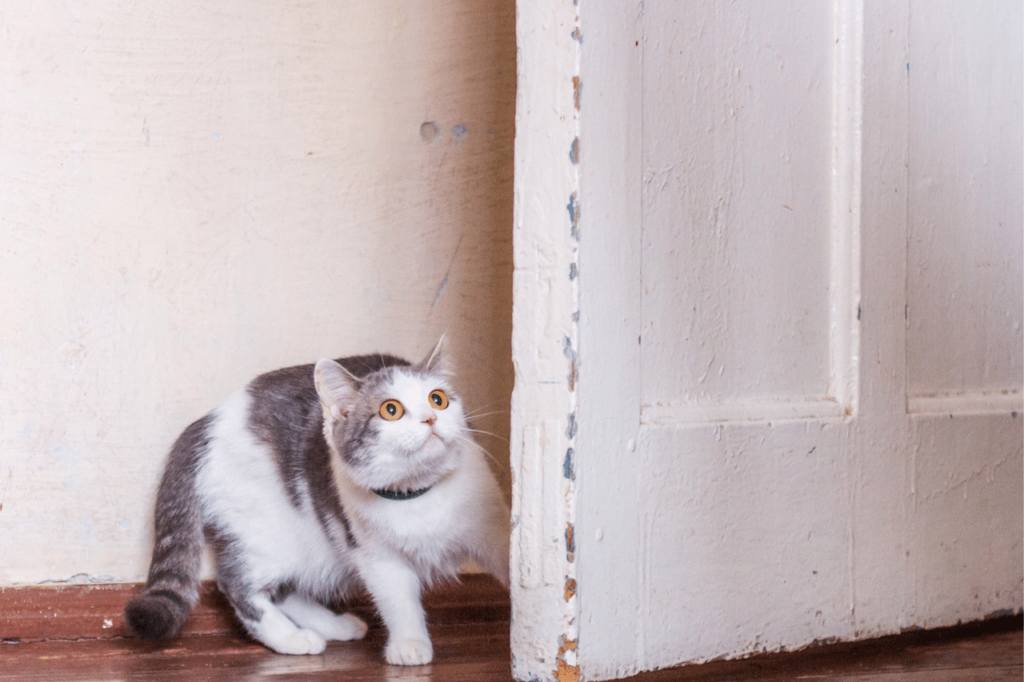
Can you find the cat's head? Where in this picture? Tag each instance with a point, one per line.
(399, 428)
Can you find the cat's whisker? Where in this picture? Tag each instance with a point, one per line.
(488, 433)
(479, 447)
(474, 417)
(475, 412)
(491, 457)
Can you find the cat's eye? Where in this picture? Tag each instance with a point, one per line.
(439, 398)
(392, 410)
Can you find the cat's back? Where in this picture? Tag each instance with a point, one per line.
(291, 383)
(361, 365)
(284, 403)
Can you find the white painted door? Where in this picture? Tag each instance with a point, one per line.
(768, 303)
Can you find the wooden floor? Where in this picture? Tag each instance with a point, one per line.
(479, 653)
(75, 633)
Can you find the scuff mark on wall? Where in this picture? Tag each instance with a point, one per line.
(429, 132)
(460, 133)
(447, 274)
(83, 579)
(440, 290)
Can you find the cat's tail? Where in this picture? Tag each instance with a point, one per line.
(172, 588)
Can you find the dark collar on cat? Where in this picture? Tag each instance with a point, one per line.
(400, 495)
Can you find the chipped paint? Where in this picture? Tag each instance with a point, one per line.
(570, 543)
(568, 669)
(566, 672)
(570, 355)
(546, 311)
(574, 215)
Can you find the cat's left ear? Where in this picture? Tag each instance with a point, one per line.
(436, 361)
(336, 386)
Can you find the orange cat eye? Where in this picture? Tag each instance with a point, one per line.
(392, 410)
(439, 399)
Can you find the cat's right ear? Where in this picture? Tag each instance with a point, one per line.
(436, 361)
(336, 387)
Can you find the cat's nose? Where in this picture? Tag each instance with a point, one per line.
(430, 420)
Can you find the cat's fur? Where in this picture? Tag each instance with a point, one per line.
(280, 480)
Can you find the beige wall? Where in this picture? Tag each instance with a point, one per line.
(192, 193)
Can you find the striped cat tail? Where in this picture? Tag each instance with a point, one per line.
(172, 588)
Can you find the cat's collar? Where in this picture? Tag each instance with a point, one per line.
(400, 495)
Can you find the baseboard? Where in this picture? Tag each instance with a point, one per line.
(32, 614)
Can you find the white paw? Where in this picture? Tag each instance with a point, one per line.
(345, 628)
(300, 641)
(409, 652)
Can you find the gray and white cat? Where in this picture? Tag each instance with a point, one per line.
(314, 481)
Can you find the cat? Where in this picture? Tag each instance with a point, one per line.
(314, 481)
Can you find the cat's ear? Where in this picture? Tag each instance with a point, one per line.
(436, 361)
(336, 386)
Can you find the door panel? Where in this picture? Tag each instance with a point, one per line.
(744, 544)
(737, 175)
(964, 278)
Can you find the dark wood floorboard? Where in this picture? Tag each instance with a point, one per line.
(478, 652)
(984, 657)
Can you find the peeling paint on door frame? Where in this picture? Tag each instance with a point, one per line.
(545, 624)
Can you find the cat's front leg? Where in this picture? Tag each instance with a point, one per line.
(267, 623)
(307, 613)
(396, 591)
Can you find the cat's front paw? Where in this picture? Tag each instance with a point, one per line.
(409, 652)
(300, 641)
(345, 628)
